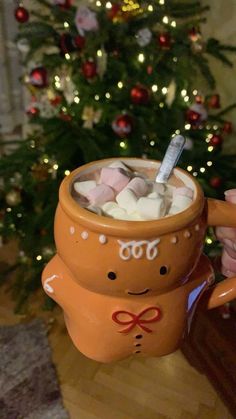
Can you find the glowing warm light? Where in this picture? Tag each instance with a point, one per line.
(8, 209)
(194, 92)
(67, 172)
(189, 168)
(39, 257)
(215, 127)
(58, 84)
(66, 25)
(209, 163)
(96, 97)
(57, 78)
(173, 23)
(123, 145)
(175, 59)
(187, 126)
(208, 240)
(195, 174)
(161, 105)
(55, 166)
(186, 98)
(98, 3)
(183, 92)
(67, 56)
(76, 99)
(99, 53)
(210, 148)
(108, 96)
(63, 109)
(202, 169)
(45, 160)
(177, 131)
(161, 2)
(120, 84)
(165, 19)
(152, 143)
(164, 90)
(141, 58)
(108, 5)
(154, 88)
(150, 8)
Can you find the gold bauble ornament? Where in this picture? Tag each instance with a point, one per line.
(13, 198)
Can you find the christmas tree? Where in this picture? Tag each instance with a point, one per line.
(108, 79)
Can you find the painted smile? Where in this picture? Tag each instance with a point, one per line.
(139, 293)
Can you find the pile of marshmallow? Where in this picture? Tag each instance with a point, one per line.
(126, 195)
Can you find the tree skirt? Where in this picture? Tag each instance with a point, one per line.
(28, 383)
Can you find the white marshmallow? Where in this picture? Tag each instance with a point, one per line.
(127, 200)
(154, 195)
(179, 203)
(84, 187)
(109, 207)
(159, 188)
(119, 214)
(119, 165)
(150, 208)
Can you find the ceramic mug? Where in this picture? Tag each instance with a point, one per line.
(131, 287)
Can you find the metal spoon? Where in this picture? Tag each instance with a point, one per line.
(171, 158)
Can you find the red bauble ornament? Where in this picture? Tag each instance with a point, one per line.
(89, 69)
(65, 117)
(149, 69)
(66, 43)
(227, 127)
(39, 77)
(216, 182)
(216, 140)
(113, 12)
(193, 117)
(122, 125)
(139, 95)
(79, 41)
(21, 14)
(32, 111)
(164, 40)
(214, 102)
(56, 101)
(64, 4)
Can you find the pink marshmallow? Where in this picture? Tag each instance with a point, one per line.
(100, 194)
(114, 177)
(228, 261)
(183, 191)
(138, 186)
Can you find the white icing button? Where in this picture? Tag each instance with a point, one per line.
(187, 234)
(197, 227)
(84, 235)
(72, 230)
(174, 239)
(102, 239)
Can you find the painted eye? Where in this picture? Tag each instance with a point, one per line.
(111, 275)
(163, 270)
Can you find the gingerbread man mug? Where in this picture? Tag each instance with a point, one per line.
(131, 287)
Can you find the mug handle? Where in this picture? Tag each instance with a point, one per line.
(221, 213)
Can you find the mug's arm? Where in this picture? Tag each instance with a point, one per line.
(221, 293)
(221, 213)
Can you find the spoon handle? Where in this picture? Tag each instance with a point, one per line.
(171, 158)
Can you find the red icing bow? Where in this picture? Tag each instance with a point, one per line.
(136, 319)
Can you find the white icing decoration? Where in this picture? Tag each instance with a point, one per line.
(72, 230)
(174, 239)
(102, 239)
(46, 285)
(197, 227)
(84, 235)
(134, 249)
(187, 234)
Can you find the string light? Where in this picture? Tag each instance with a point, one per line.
(175, 59)
(161, 2)
(123, 145)
(150, 8)
(67, 172)
(173, 24)
(99, 53)
(186, 98)
(39, 257)
(210, 148)
(45, 160)
(108, 5)
(57, 78)
(195, 92)
(55, 166)
(19, 215)
(187, 126)
(183, 92)
(67, 56)
(98, 3)
(161, 105)
(208, 240)
(76, 99)
(58, 84)
(209, 163)
(202, 169)
(154, 88)
(66, 25)
(96, 97)
(177, 131)
(195, 174)
(63, 109)
(165, 19)
(189, 168)
(120, 84)
(141, 58)
(164, 90)
(108, 96)
(215, 127)
(152, 143)
(8, 209)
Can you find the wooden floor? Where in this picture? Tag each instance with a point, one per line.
(137, 388)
